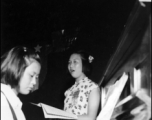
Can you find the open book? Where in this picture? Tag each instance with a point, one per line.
(52, 112)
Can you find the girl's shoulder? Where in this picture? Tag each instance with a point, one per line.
(88, 83)
(4, 101)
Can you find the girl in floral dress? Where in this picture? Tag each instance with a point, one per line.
(82, 98)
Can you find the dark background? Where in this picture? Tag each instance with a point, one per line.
(92, 25)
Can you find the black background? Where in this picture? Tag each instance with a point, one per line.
(97, 25)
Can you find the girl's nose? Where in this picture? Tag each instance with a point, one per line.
(34, 81)
(71, 64)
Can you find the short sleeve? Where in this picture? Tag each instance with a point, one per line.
(92, 86)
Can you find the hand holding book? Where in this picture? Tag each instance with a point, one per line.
(52, 112)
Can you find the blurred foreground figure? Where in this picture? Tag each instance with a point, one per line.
(138, 108)
(142, 112)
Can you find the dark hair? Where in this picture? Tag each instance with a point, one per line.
(14, 62)
(86, 65)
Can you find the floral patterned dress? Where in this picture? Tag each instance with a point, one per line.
(77, 96)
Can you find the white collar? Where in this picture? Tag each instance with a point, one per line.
(11, 96)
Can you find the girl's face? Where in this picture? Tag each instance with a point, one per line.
(75, 66)
(29, 78)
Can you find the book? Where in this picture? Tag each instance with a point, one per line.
(52, 112)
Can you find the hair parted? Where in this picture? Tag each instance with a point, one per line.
(14, 62)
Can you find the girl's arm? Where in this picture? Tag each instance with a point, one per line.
(93, 105)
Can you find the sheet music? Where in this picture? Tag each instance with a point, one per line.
(52, 112)
(113, 96)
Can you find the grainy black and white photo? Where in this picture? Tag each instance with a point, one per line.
(75, 60)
